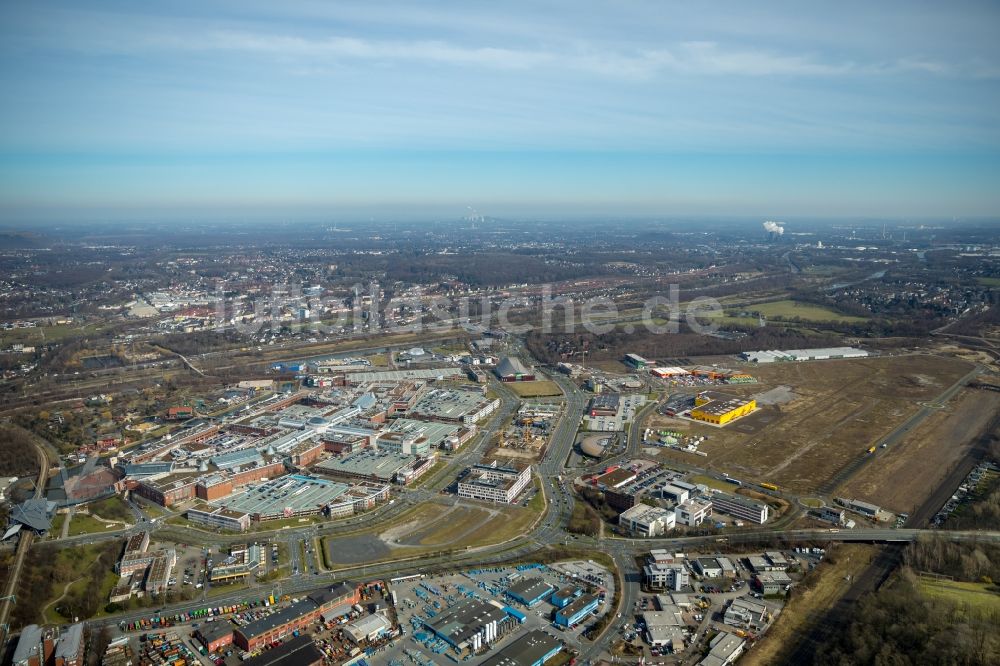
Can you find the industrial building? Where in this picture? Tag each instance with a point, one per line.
(724, 649)
(647, 521)
(666, 576)
(745, 612)
(215, 635)
(668, 371)
(719, 408)
(511, 369)
(693, 513)
(863, 508)
(605, 404)
(471, 624)
(300, 614)
(427, 435)
(219, 517)
(299, 651)
(708, 567)
(740, 507)
(563, 596)
(833, 515)
(576, 610)
(529, 591)
(454, 406)
(825, 353)
(665, 628)
(635, 361)
(532, 649)
(772, 582)
(615, 478)
(495, 481)
(777, 559)
(286, 497)
(367, 629)
(378, 466)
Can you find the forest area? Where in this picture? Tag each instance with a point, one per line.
(553, 348)
(18, 456)
(943, 607)
(900, 624)
(81, 572)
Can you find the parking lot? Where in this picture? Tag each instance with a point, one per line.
(627, 407)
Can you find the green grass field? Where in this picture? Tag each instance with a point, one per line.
(981, 598)
(989, 281)
(788, 309)
(42, 334)
(57, 523)
(84, 524)
(112, 508)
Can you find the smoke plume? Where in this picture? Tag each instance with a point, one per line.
(773, 227)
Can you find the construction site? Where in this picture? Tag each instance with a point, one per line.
(527, 433)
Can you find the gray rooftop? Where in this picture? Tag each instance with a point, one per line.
(525, 651)
(28, 644)
(465, 619)
(32, 513)
(70, 642)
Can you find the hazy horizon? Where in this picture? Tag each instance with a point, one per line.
(640, 110)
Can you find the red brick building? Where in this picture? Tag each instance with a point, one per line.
(295, 617)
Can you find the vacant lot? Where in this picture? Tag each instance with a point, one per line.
(827, 583)
(980, 598)
(921, 460)
(536, 389)
(788, 309)
(840, 409)
(434, 526)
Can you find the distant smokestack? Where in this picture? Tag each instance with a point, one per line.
(774, 228)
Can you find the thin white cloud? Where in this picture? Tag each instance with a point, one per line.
(701, 58)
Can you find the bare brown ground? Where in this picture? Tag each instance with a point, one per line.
(828, 582)
(841, 408)
(918, 463)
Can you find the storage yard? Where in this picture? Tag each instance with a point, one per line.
(520, 596)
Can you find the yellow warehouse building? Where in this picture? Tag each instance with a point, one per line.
(719, 408)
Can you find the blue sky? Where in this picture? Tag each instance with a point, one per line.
(518, 109)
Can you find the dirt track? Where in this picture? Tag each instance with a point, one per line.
(919, 463)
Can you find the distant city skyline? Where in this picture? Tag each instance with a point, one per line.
(516, 109)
